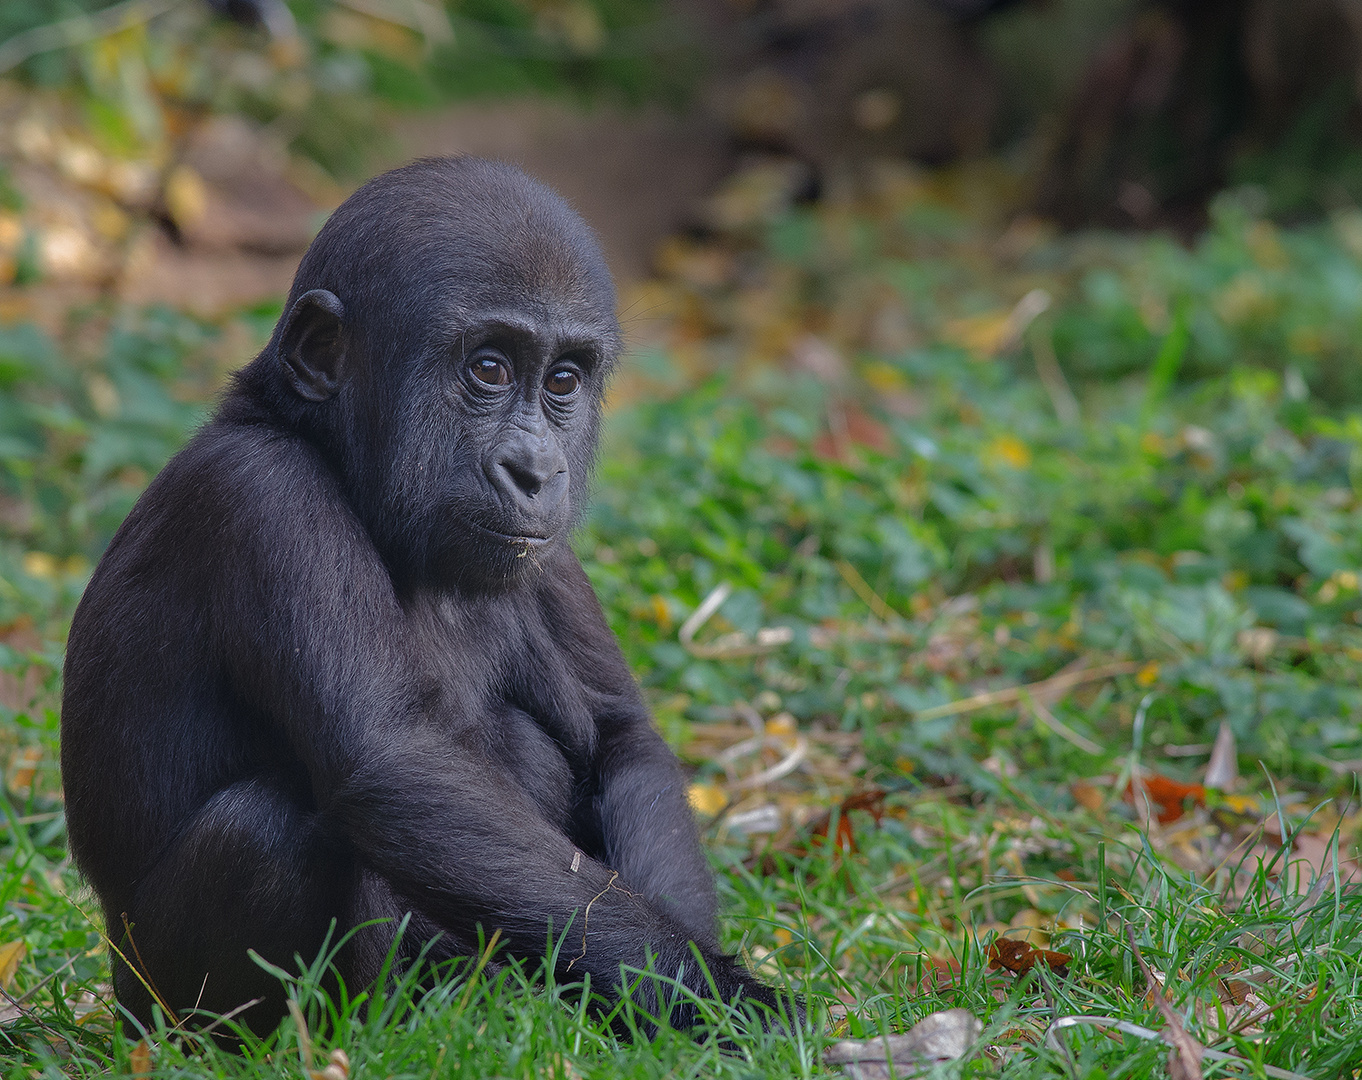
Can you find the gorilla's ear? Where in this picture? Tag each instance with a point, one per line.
(312, 346)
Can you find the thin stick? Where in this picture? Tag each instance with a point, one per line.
(586, 916)
(862, 588)
(208, 1029)
(79, 29)
(1049, 720)
(140, 969)
(304, 1039)
(1052, 375)
(1013, 694)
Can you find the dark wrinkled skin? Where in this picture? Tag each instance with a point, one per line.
(340, 662)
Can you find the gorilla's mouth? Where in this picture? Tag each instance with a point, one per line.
(523, 541)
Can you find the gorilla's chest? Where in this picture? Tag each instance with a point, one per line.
(541, 766)
(509, 690)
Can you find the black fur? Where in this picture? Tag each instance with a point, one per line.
(340, 661)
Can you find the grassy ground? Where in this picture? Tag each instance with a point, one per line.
(1000, 534)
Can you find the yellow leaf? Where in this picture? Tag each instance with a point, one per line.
(1148, 675)
(1240, 804)
(40, 564)
(707, 798)
(139, 1058)
(23, 769)
(1011, 451)
(782, 936)
(10, 955)
(1151, 442)
(984, 335)
(186, 197)
(883, 377)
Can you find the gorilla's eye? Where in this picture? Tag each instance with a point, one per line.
(561, 383)
(489, 370)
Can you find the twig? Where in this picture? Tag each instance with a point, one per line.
(1048, 719)
(1013, 694)
(304, 1039)
(207, 1029)
(586, 915)
(45, 980)
(1052, 375)
(1149, 1033)
(788, 764)
(79, 29)
(862, 588)
(729, 645)
(1184, 1057)
(140, 969)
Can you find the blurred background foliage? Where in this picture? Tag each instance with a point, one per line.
(1017, 339)
(918, 378)
(915, 382)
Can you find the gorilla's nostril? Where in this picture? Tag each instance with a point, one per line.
(526, 479)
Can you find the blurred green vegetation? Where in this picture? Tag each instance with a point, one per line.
(927, 453)
(1199, 513)
(324, 88)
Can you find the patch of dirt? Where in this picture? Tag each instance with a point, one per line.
(635, 175)
(239, 216)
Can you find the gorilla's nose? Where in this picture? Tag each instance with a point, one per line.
(530, 474)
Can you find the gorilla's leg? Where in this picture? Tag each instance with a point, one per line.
(251, 870)
(376, 913)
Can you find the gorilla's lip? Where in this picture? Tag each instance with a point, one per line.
(518, 540)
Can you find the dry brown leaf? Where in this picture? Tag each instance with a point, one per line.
(870, 800)
(1184, 1059)
(940, 1037)
(1222, 771)
(1019, 957)
(11, 953)
(942, 971)
(139, 1058)
(1170, 797)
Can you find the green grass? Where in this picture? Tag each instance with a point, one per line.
(926, 528)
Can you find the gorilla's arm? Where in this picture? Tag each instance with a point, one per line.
(647, 825)
(315, 638)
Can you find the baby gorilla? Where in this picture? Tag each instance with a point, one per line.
(340, 663)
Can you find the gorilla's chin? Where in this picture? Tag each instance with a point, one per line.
(479, 558)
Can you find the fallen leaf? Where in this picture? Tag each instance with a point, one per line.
(23, 769)
(1009, 450)
(1184, 1059)
(1168, 795)
(940, 1037)
(983, 335)
(11, 953)
(871, 801)
(1222, 771)
(707, 798)
(942, 971)
(1019, 957)
(139, 1058)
